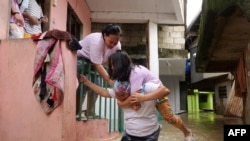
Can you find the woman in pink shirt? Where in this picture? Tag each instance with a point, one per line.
(16, 21)
(96, 48)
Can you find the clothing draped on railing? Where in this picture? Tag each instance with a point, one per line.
(48, 80)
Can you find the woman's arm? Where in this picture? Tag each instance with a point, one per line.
(16, 13)
(103, 73)
(97, 89)
(160, 92)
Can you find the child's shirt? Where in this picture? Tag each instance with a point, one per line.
(140, 75)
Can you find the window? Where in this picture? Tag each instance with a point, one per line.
(74, 25)
(203, 98)
(222, 92)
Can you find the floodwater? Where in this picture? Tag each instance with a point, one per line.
(205, 126)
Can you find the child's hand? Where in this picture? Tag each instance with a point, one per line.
(119, 103)
(19, 20)
(137, 97)
(136, 106)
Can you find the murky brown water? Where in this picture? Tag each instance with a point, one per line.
(205, 126)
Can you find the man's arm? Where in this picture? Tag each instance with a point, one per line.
(160, 92)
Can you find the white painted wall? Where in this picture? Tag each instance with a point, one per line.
(172, 83)
(153, 48)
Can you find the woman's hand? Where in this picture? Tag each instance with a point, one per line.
(82, 78)
(18, 19)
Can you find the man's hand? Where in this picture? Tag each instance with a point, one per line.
(44, 19)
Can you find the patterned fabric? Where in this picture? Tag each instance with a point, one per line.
(121, 87)
(48, 82)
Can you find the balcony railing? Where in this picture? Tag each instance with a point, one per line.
(104, 108)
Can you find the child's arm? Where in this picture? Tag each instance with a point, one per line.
(97, 89)
(125, 103)
(160, 92)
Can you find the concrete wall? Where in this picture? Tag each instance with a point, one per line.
(21, 115)
(220, 103)
(172, 82)
(171, 37)
(5, 18)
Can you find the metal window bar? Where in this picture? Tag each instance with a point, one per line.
(104, 108)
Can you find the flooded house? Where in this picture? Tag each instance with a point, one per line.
(153, 36)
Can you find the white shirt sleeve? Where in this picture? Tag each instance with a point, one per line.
(150, 87)
(111, 92)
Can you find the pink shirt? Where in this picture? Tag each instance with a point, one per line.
(141, 75)
(14, 4)
(94, 49)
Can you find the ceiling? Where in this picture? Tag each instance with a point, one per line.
(224, 41)
(137, 11)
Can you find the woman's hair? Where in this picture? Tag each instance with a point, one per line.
(120, 66)
(112, 29)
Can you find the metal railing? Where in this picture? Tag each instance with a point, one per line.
(103, 108)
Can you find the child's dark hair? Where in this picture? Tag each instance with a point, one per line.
(120, 66)
(112, 29)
